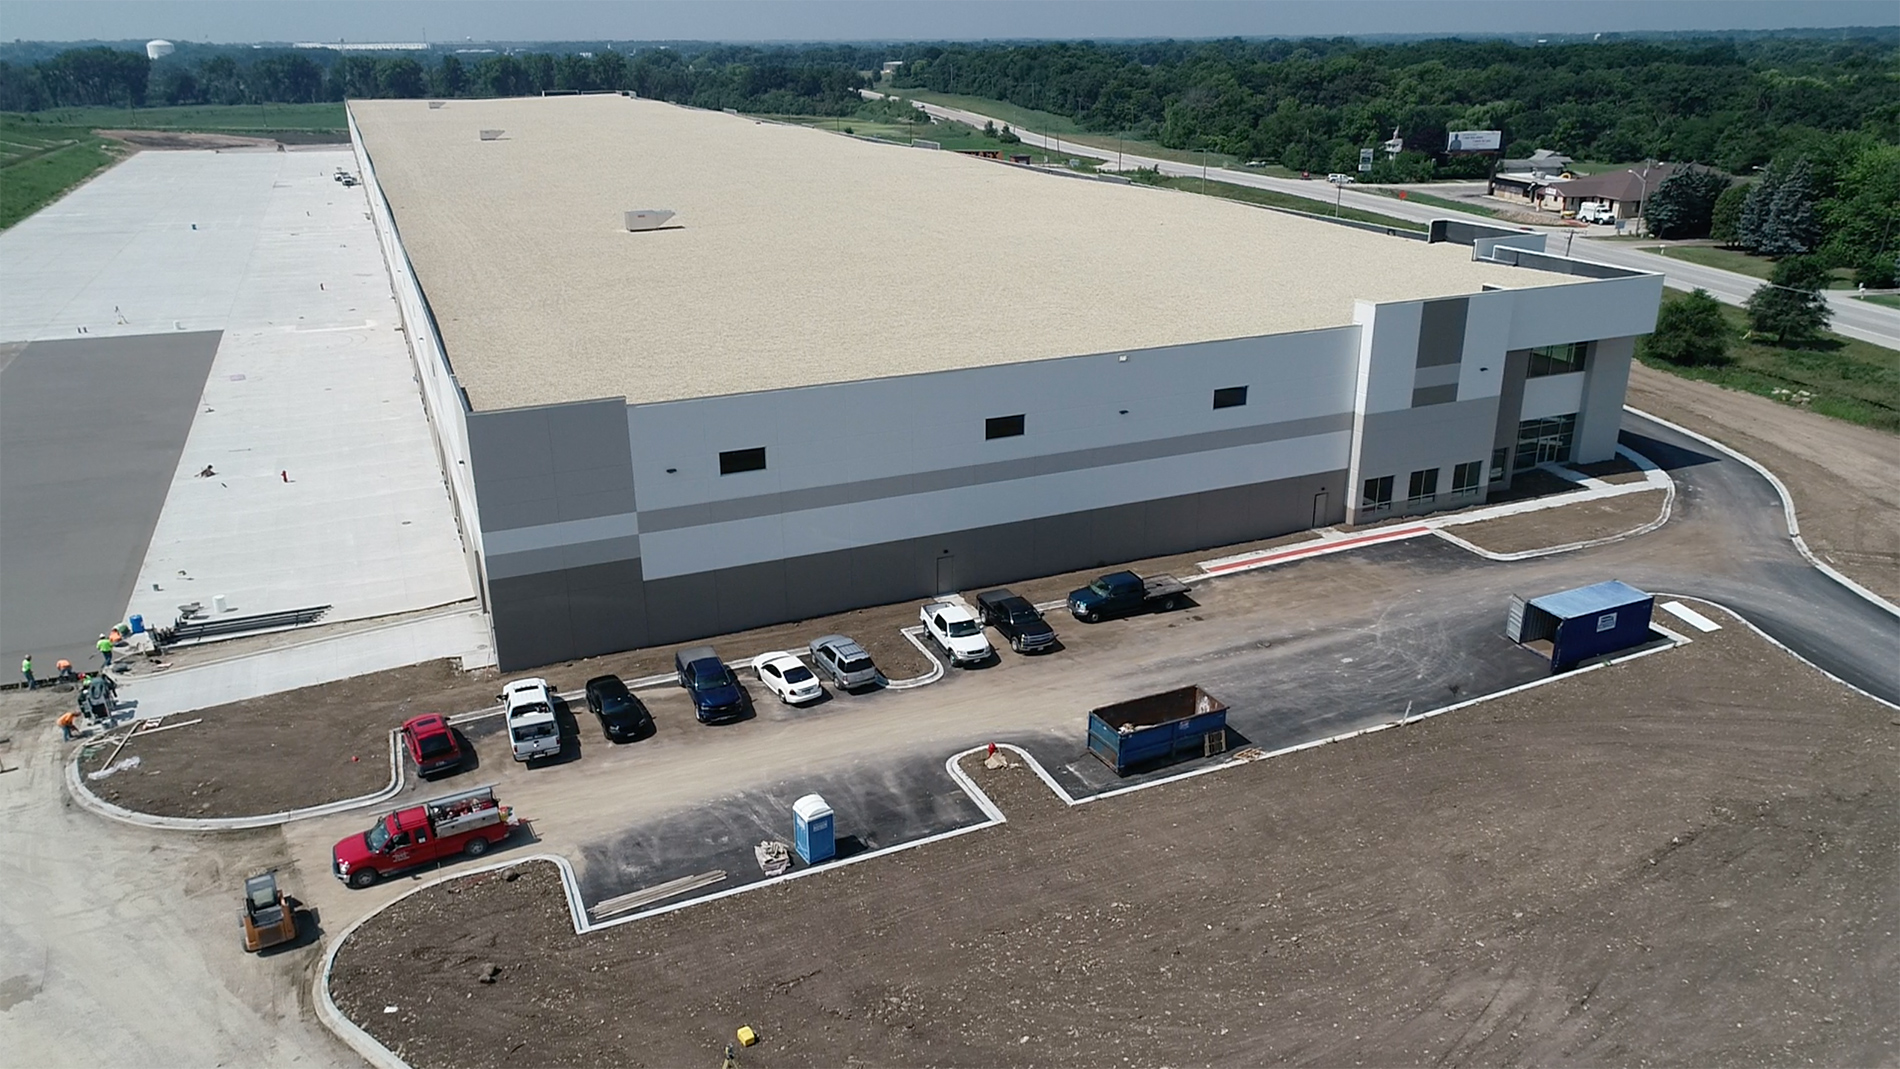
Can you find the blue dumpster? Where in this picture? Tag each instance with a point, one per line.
(138, 624)
(812, 829)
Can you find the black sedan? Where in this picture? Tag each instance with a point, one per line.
(622, 717)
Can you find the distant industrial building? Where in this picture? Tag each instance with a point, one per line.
(845, 374)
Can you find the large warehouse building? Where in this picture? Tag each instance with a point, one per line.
(850, 373)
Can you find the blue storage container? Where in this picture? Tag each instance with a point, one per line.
(1578, 625)
(138, 624)
(812, 829)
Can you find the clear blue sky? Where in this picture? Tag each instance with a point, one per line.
(835, 20)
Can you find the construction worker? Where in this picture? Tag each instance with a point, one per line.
(105, 649)
(26, 672)
(66, 722)
(66, 673)
(101, 693)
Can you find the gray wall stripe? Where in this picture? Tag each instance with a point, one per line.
(977, 474)
(566, 532)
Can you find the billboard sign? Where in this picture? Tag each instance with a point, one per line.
(1474, 141)
(1365, 159)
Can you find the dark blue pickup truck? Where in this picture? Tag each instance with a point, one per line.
(1121, 593)
(715, 691)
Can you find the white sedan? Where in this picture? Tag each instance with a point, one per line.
(785, 676)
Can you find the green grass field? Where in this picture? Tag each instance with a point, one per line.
(1884, 299)
(247, 119)
(39, 163)
(1104, 145)
(1274, 199)
(952, 137)
(1413, 196)
(1740, 262)
(1837, 377)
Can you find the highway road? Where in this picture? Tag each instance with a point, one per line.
(1852, 318)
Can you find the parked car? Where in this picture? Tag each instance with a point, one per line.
(622, 716)
(715, 691)
(1015, 619)
(432, 744)
(1341, 179)
(1121, 593)
(532, 729)
(844, 662)
(787, 677)
(955, 629)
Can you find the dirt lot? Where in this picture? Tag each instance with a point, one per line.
(1844, 478)
(1614, 470)
(284, 751)
(173, 139)
(1581, 522)
(1686, 858)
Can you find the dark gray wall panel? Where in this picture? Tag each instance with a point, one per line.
(1434, 395)
(1441, 332)
(551, 463)
(576, 612)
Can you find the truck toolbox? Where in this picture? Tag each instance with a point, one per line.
(1158, 728)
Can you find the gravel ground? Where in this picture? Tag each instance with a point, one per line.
(1581, 522)
(1685, 858)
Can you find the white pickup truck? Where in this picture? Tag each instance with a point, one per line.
(956, 629)
(532, 730)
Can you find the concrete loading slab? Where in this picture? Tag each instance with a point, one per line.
(328, 488)
(90, 433)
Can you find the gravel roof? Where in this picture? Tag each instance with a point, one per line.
(800, 256)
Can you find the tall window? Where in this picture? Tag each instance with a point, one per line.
(1002, 426)
(1543, 441)
(1423, 488)
(1556, 359)
(1378, 494)
(1230, 397)
(1498, 457)
(1465, 477)
(734, 461)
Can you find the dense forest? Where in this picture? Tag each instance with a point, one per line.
(1312, 104)
(821, 81)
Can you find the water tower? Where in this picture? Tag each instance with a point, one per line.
(159, 49)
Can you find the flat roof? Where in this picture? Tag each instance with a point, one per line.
(801, 257)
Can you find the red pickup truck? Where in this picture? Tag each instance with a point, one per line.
(465, 823)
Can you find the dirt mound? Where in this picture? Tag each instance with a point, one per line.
(177, 139)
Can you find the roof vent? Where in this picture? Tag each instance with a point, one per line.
(648, 218)
(491, 135)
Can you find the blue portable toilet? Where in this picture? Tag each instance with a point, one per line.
(1577, 625)
(812, 829)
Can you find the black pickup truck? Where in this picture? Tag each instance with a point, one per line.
(1121, 593)
(1015, 619)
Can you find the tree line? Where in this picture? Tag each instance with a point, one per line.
(1313, 104)
(804, 81)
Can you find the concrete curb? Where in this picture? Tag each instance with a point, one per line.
(1668, 510)
(936, 666)
(1787, 508)
(87, 800)
(372, 1050)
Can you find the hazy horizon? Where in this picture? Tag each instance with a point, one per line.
(806, 21)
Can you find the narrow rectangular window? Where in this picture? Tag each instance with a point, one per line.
(1230, 397)
(734, 461)
(1556, 359)
(1498, 457)
(1002, 426)
(1378, 494)
(1465, 477)
(1424, 487)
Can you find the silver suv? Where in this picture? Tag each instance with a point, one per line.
(844, 662)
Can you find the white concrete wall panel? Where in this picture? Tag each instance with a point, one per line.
(894, 427)
(1552, 395)
(1487, 335)
(1584, 311)
(1388, 354)
(1605, 381)
(779, 535)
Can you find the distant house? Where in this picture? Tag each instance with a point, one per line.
(1617, 194)
(1529, 180)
